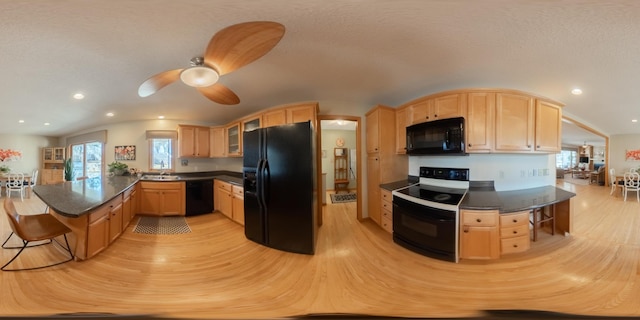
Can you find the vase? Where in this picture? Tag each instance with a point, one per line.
(118, 172)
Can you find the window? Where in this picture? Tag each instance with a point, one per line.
(161, 154)
(86, 159)
(566, 159)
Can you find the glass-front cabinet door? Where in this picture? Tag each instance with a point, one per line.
(234, 140)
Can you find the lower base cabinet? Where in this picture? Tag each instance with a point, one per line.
(479, 234)
(229, 200)
(514, 232)
(386, 210)
(162, 198)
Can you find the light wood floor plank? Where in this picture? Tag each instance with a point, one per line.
(215, 272)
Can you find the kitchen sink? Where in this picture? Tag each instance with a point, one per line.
(159, 177)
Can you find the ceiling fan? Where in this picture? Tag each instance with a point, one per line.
(228, 50)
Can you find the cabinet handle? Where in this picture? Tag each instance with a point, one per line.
(427, 117)
(435, 115)
(469, 144)
(528, 146)
(538, 147)
(515, 245)
(478, 220)
(465, 229)
(515, 220)
(515, 232)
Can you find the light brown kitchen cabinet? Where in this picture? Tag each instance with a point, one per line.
(302, 113)
(274, 118)
(384, 165)
(514, 232)
(439, 107)
(162, 198)
(233, 140)
(193, 141)
(548, 127)
(386, 213)
(217, 147)
(514, 122)
(479, 234)
(480, 122)
(97, 232)
(223, 198)
(237, 206)
(402, 121)
(52, 165)
(115, 221)
(128, 206)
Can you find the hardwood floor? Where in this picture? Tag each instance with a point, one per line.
(214, 272)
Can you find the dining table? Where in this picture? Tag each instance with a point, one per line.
(4, 177)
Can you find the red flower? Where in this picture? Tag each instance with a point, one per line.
(8, 155)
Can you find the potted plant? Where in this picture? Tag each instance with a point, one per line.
(118, 168)
(68, 170)
(4, 169)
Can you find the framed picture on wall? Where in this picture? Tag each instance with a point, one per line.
(125, 153)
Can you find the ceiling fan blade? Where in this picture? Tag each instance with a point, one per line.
(158, 81)
(241, 44)
(220, 94)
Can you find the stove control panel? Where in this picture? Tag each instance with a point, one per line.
(445, 173)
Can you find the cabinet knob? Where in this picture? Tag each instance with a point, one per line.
(538, 147)
(478, 220)
(515, 245)
(465, 229)
(515, 232)
(435, 115)
(528, 146)
(515, 220)
(469, 144)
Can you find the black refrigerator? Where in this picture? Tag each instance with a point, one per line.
(279, 175)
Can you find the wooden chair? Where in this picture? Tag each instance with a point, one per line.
(632, 183)
(32, 228)
(613, 181)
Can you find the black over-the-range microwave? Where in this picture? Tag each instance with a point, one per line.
(439, 137)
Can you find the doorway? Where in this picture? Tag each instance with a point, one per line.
(339, 146)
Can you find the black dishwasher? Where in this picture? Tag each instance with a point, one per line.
(199, 197)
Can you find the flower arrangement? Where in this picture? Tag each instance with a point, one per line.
(8, 155)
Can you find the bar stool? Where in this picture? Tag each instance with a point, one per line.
(539, 216)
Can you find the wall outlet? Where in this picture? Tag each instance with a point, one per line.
(184, 162)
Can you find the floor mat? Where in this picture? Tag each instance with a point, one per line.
(343, 197)
(162, 225)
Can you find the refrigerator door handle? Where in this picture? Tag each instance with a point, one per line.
(266, 174)
(260, 183)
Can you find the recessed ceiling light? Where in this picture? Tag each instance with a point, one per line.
(634, 120)
(110, 114)
(78, 96)
(160, 117)
(576, 91)
(20, 121)
(46, 123)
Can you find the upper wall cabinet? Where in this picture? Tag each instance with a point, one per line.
(514, 122)
(496, 120)
(193, 141)
(439, 107)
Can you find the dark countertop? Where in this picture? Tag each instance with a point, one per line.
(505, 201)
(75, 198)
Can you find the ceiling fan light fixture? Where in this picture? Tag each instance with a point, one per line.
(199, 76)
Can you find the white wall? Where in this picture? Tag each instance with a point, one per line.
(31, 148)
(618, 145)
(508, 171)
(133, 133)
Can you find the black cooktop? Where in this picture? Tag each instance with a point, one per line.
(435, 193)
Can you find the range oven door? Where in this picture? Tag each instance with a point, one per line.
(429, 231)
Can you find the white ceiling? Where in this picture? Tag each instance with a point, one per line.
(350, 53)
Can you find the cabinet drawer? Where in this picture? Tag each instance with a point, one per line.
(480, 218)
(387, 224)
(513, 245)
(514, 219)
(387, 214)
(517, 231)
(239, 191)
(160, 185)
(223, 185)
(386, 205)
(386, 195)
